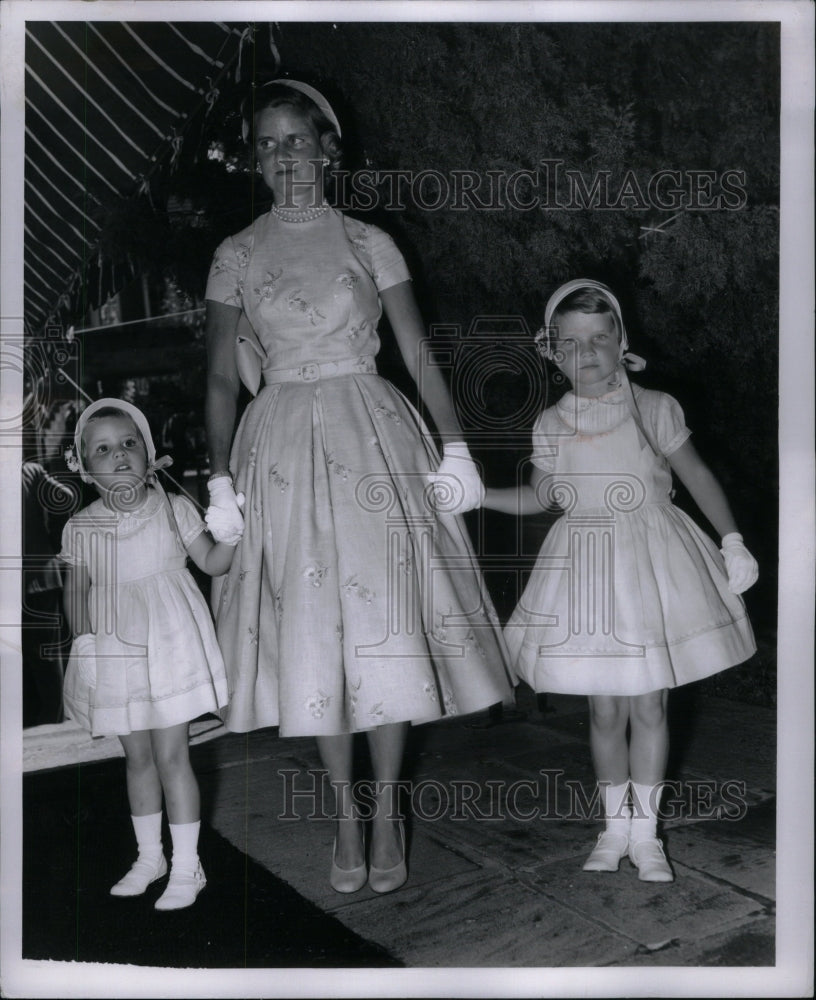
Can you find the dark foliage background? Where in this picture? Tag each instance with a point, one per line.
(699, 293)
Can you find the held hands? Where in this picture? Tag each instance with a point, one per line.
(457, 486)
(83, 652)
(223, 517)
(740, 565)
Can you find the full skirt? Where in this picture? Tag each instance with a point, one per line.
(350, 603)
(627, 605)
(157, 660)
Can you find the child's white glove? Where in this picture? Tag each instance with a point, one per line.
(83, 652)
(223, 516)
(457, 484)
(740, 565)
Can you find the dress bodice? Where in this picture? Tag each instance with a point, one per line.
(310, 290)
(596, 456)
(119, 547)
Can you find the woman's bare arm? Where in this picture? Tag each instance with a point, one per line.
(223, 383)
(400, 306)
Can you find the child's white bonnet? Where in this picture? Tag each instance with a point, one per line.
(138, 419)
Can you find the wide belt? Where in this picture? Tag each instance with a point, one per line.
(313, 371)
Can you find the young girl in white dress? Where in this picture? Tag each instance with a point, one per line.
(144, 660)
(628, 597)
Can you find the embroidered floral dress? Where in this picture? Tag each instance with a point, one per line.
(349, 603)
(157, 659)
(627, 595)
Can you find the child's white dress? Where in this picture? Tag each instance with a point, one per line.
(627, 595)
(157, 659)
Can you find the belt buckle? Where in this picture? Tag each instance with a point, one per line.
(310, 372)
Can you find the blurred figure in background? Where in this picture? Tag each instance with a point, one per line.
(47, 504)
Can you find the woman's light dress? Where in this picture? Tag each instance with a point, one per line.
(627, 595)
(350, 602)
(157, 658)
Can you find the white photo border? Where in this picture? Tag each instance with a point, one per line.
(793, 973)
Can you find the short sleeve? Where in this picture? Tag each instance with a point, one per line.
(666, 420)
(189, 521)
(387, 263)
(73, 549)
(225, 282)
(544, 448)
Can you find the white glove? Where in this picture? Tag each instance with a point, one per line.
(223, 516)
(457, 484)
(83, 651)
(740, 565)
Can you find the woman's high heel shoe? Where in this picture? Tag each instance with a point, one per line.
(389, 879)
(347, 879)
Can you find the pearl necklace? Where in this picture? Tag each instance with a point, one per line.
(300, 214)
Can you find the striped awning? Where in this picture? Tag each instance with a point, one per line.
(107, 104)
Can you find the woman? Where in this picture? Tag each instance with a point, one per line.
(351, 604)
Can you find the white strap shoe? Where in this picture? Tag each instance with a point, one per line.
(183, 887)
(143, 872)
(607, 853)
(650, 860)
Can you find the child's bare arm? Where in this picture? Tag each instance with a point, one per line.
(704, 488)
(518, 500)
(75, 599)
(213, 558)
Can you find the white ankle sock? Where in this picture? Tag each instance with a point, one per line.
(617, 812)
(645, 804)
(185, 845)
(148, 834)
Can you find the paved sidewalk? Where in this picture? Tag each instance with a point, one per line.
(495, 850)
(509, 890)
